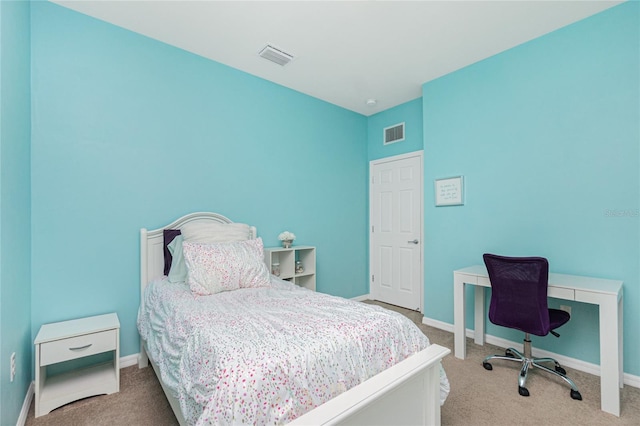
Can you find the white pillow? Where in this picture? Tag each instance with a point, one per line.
(216, 267)
(212, 232)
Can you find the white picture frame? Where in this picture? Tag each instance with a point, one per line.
(449, 191)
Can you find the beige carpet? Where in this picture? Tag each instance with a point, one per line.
(478, 397)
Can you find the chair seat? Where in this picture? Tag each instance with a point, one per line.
(557, 318)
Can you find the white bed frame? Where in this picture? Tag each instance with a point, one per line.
(406, 394)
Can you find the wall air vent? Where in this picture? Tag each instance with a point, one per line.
(275, 55)
(393, 133)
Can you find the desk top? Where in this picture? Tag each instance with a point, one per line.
(576, 282)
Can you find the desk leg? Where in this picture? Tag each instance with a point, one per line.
(610, 355)
(620, 342)
(459, 320)
(479, 315)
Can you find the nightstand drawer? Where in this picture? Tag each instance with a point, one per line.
(77, 347)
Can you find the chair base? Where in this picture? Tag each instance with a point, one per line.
(512, 354)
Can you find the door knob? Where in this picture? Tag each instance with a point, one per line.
(413, 242)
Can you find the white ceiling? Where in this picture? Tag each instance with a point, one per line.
(346, 52)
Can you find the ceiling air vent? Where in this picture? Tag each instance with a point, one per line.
(394, 133)
(275, 55)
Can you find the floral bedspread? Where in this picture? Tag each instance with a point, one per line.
(267, 355)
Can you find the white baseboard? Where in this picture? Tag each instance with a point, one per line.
(129, 360)
(438, 324)
(125, 361)
(22, 419)
(576, 364)
(631, 380)
(361, 298)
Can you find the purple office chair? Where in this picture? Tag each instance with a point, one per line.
(519, 300)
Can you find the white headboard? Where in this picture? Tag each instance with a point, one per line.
(151, 244)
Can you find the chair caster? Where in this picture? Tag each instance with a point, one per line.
(576, 395)
(561, 370)
(523, 391)
(487, 366)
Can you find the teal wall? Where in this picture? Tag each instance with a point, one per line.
(15, 227)
(110, 131)
(409, 113)
(129, 132)
(547, 138)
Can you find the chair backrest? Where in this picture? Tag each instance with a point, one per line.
(519, 292)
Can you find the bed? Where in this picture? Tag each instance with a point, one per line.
(278, 353)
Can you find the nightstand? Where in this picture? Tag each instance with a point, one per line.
(68, 340)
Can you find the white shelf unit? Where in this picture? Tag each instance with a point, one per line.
(287, 258)
(74, 339)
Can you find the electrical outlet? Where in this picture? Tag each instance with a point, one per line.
(566, 308)
(13, 366)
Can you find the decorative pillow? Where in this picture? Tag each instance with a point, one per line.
(168, 236)
(212, 232)
(178, 271)
(212, 268)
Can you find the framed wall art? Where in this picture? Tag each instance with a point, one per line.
(449, 191)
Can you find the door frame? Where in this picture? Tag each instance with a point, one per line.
(372, 163)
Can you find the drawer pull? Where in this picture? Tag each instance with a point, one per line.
(79, 348)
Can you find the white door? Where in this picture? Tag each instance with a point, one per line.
(396, 230)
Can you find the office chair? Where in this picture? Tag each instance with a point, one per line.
(519, 300)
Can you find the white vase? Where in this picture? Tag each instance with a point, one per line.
(287, 243)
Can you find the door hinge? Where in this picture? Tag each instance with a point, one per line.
(372, 229)
(373, 278)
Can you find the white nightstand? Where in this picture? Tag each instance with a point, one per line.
(68, 340)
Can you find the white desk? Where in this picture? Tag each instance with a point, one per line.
(607, 294)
